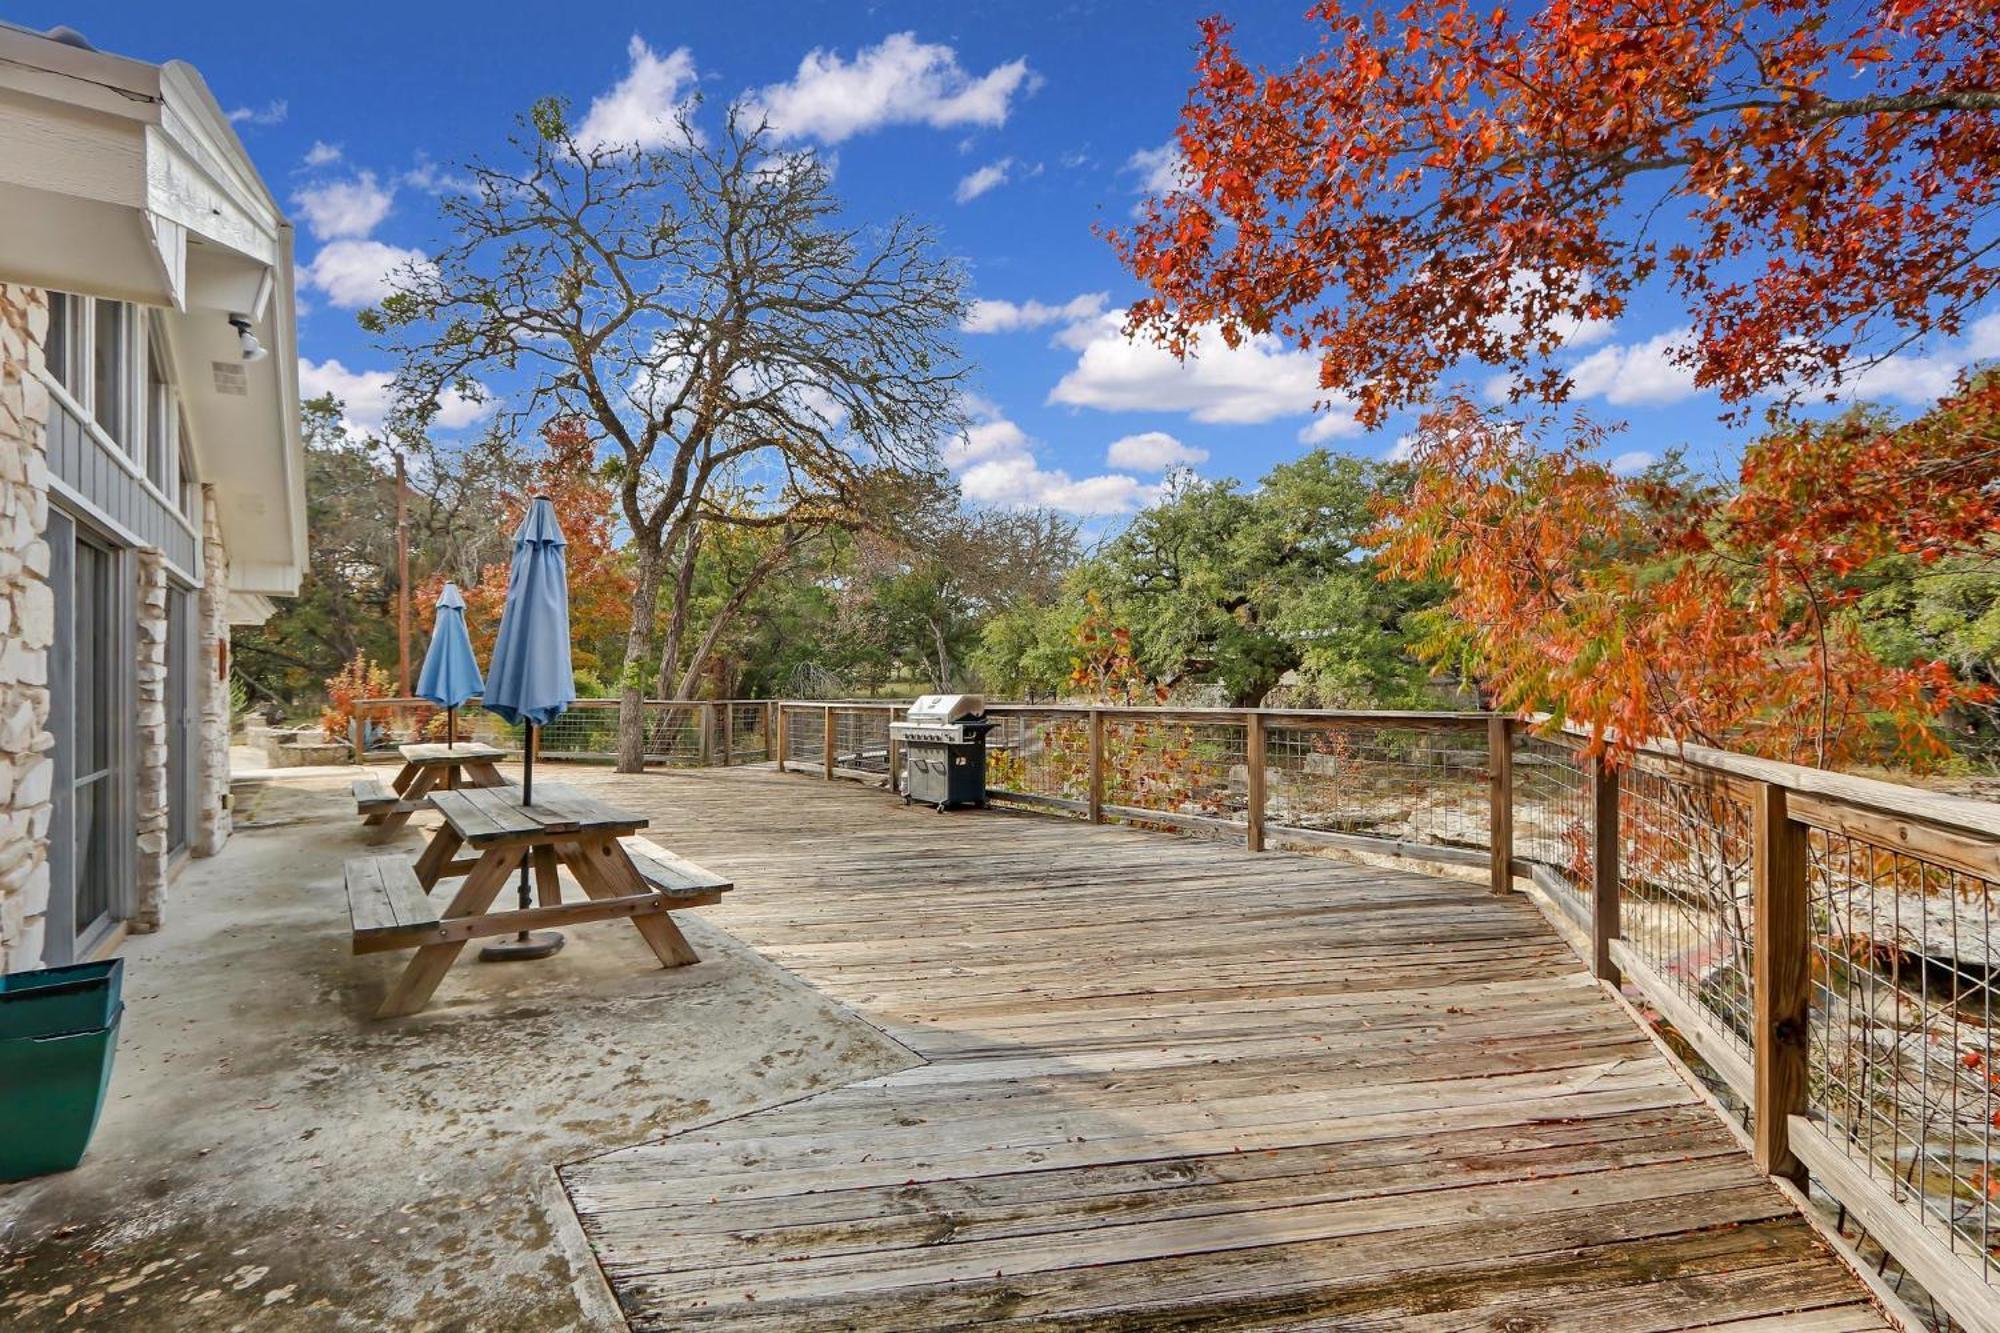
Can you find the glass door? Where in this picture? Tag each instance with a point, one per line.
(89, 837)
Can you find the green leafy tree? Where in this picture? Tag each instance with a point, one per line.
(1220, 585)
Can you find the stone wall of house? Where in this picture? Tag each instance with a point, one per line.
(27, 627)
(212, 815)
(150, 880)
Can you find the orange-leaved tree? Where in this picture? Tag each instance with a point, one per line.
(1463, 179)
(359, 678)
(1644, 608)
(600, 576)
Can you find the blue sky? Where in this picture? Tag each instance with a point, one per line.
(1013, 127)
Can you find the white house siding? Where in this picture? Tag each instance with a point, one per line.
(27, 625)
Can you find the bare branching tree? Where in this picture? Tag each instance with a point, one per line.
(704, 306)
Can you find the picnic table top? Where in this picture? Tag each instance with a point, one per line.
(463, 752)
(480, 815)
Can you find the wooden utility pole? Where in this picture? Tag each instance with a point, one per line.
(402, 579)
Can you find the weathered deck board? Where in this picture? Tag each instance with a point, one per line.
(1162, 1083)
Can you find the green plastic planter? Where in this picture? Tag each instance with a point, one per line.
(58, 1033)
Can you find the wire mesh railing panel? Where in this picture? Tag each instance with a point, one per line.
(1686, 890)
(1398, 783)
(587, 733)
(749, 733)
(861, 739)
(1553, 814)
(1040, 754)
(805, 735)
(1901, 1067)
(675, 735)
(1177, 767)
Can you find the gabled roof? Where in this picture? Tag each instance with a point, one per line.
(124, 179)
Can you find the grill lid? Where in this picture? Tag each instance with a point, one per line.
(938, 709)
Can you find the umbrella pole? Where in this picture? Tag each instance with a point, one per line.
(527, 798)
(451, 726)
(539, 944)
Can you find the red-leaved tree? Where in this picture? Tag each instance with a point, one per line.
(1643, 609)
(600, 575)
(1456, 180)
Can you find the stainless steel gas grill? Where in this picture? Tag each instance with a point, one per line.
(943, 738)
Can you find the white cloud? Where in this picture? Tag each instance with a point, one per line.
(1332, 423)
(1920, 381)
(1153, 451)
(1632, 463)
(644, 107)
(431, 178)
(985, 440)
(322, 153)
(1257, 380)
(272, 112)
(366, 396)
(1160, 170)
(1017, 479)
(1403, 449)
(1008, 317)
(354, 273)
(900, 82)
(989, 177)
(353, 207)
(1633, 374)
(995, 462)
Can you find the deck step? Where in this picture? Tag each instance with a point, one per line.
(386, 904)
(674, 876)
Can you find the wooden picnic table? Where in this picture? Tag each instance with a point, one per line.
(563, 829)
(425, 768)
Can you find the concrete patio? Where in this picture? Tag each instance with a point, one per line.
(271, 1158)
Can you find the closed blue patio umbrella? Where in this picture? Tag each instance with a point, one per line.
(529, 680)
(451, 673)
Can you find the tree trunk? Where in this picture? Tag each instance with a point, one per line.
(943, 657)
(670, 653)
(727, 613)
(631, 692)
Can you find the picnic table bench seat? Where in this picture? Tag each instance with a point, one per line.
(673, 876)
(372, 798)
(387, 905)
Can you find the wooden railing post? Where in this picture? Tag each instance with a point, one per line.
(895, 778)
(355, 727)
(1500, 800)
(1780, 984)
(1097, 766)
(1253, 763)
(826, 742)
(706, 721)
(728, 733)
(777, 734)
(1604, 925)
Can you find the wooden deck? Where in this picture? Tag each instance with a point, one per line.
(1169, 1084)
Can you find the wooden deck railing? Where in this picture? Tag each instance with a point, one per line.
(1824, 943)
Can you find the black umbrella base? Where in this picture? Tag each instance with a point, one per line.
(521, 948)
